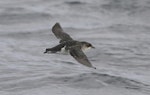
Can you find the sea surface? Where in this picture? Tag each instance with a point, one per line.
(119, 29)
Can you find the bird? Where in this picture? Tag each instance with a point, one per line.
(68, 44)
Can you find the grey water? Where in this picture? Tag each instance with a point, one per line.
(119, 29)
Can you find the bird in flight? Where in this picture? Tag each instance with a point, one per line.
(68, 44)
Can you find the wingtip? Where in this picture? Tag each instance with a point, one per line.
(94, 67)
(56, 26)
(57, 23)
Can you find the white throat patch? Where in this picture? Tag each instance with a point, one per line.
(85, 48)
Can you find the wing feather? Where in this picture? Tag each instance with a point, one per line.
(59, 33)
(78, 54)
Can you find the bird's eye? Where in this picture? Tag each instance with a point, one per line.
(89, 45)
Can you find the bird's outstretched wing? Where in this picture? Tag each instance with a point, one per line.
(78, 54)
(60, 34)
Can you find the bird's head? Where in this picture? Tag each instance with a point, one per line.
(86, 45)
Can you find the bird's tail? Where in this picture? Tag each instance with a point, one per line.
(55, 49)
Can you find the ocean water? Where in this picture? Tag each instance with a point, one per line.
(119, 29)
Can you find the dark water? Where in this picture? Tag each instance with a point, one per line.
(119, 29)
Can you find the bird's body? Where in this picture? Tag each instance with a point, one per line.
(68, 45)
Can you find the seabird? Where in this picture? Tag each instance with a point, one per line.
(67, 44)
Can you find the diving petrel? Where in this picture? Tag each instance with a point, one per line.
(75, 48)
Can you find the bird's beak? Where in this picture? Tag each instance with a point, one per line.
(93, 47)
